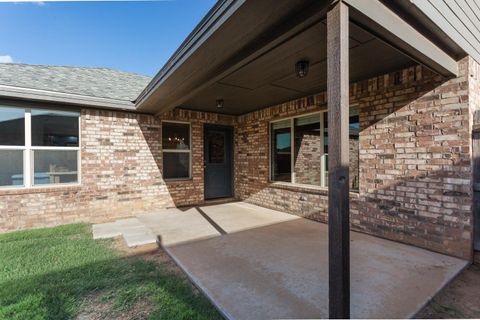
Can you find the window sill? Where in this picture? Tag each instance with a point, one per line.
(40, 189)
(179, 180)
(305, 188)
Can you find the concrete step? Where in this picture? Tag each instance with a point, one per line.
(134, 232)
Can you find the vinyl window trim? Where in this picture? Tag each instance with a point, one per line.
(323, 183)
(28, 153)
(189, 151)
(323, 158)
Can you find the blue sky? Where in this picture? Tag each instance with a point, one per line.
(131, 36)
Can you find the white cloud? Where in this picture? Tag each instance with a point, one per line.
(37, 2)
(6, 59)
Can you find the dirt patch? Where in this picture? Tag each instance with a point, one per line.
(459, 299)
(150, 252)
(95, 307)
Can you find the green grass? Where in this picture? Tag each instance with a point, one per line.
(52, 273)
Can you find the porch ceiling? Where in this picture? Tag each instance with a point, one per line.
(270, 79)
(248, 59)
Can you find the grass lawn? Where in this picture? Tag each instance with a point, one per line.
(61, 272)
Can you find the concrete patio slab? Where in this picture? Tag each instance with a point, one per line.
(239, 216)
(169, 226)
(175, 226)
(257, 263)
(270, 266)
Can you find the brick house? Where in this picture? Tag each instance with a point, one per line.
(240, 112)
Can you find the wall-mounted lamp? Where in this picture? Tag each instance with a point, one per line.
(219, 103)
(301, 68)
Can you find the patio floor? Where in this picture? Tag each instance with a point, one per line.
(257, 263)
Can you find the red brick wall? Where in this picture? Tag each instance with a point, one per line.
(414, 160)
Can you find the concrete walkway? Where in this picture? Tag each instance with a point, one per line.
(256, 263)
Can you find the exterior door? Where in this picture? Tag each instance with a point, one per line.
(218, 143)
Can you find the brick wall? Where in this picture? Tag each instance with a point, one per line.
(415, 163)
(121, 173)
(189, 192)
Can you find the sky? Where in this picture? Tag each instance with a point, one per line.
(136, 36)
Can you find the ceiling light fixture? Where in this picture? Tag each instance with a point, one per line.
(301, 68)
(220, 103)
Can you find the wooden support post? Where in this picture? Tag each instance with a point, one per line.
(338, 161)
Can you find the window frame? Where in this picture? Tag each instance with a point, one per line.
(28, 151)
(189, 151)
(323, 157)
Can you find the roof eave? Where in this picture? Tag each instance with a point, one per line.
(12, 92)
(214, 19)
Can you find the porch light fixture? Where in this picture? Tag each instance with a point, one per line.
(301, 68)
(219, 103)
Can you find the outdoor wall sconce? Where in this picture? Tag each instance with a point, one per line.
(220, 103)
(301, 68)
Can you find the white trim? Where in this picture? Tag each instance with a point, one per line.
(176, 150)
(28, 166)
(323, 156)
(189, 150)
(32, 151)
(79, 153)
(39, 186)
(28, 153)
(322, 147)
(55, 148)
(12, 148)
(292, 145)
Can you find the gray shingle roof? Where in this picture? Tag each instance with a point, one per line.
(94, 82)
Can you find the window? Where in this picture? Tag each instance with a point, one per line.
(308, 150)
(176, 150)
(282, 151)
(299, 149)
(354, 144)
(38, 147)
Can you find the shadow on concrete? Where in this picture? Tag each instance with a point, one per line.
(280, 270)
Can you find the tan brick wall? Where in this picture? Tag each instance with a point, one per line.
(121, 173)
(188, 192)
(415, 165)
(414, 160)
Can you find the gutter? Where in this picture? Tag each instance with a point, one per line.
(66, 98)
(214, 19)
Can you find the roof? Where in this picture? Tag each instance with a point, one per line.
(459, 19)
(103, 83)
(236, 36)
